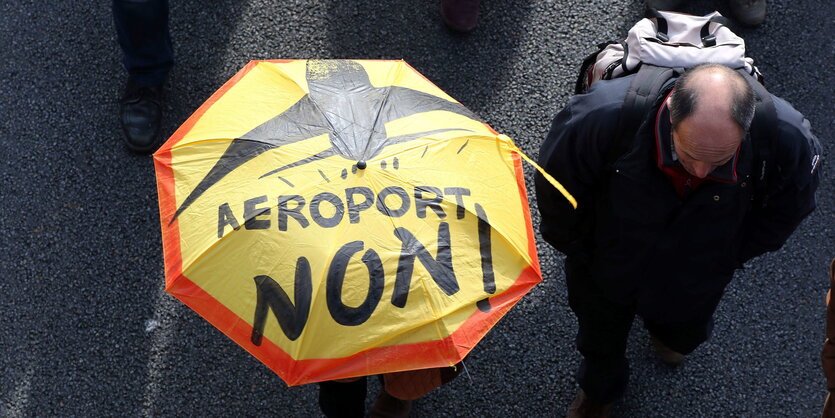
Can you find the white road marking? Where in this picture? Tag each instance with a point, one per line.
(18, 399)
(163, 326)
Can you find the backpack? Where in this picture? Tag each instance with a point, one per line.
(661, 47)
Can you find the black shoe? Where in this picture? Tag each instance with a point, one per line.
(669, 356)
(748, 12)
(583, 407)
(460, 15)
(140, 112)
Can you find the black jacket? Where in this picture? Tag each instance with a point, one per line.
(643, 243)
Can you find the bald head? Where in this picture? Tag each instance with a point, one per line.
(713, 89)
(711, 108)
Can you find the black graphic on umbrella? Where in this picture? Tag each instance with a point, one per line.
(342, 103)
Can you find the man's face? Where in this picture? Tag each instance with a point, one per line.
(703, 143)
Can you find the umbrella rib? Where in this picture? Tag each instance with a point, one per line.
(199, 142)
(315, 157)
(324, 116)
(376, 188)
(425, 134)
(377, 117)
(504, 237)
(273, 68)
(278, 69)
(204, 252)
(304, 343)
(472, 135)
(438, 322)
(455, 204)
(500, 233)
(376, 120)
(260, 212)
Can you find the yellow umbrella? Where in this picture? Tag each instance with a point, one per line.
(344, 218)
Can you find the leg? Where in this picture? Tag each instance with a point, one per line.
(142, 30)
(682, 337)
(601, 338)
(685, 336)
(343, 399)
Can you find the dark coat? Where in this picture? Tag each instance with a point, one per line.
(670, 256)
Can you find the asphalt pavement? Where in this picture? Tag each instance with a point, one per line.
(86, 329)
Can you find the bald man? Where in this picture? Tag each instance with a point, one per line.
(661, 226)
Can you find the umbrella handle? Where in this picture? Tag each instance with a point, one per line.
(547, 176)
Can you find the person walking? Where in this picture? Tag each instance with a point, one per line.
(660, 229)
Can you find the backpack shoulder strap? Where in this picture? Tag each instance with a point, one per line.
(763, 134)
(643, 92)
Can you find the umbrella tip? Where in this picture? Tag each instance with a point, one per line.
(361, 164)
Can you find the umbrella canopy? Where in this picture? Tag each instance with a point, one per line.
(344, 218)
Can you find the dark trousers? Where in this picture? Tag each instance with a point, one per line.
(142, 30)
(343, 399)
(603, 331)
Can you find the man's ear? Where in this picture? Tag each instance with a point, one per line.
(668, 103)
